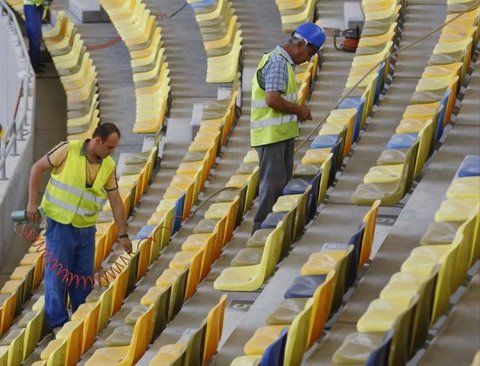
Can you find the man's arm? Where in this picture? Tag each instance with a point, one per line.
(36, 172)
(118, 211)
(275, 101)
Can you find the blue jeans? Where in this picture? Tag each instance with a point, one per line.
(33, 25)
(74, 249)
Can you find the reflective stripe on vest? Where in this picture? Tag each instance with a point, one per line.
(273, 121)
(68, 207)
(78, 192)
(262, 103)
(267, 125)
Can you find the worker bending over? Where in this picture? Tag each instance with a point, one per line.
(82, 179)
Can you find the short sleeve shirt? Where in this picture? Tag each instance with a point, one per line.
(58, 155)
(274, 75)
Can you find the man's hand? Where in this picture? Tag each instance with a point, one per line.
(32, 212)
(303, 113)
(126, 244)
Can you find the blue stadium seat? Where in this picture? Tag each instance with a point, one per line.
(203, 4)
(470, 166)
(324, 141)
(145, 232)
(359, 104)
(304, 286)
(272, 220)
(379, 357)
(274, 353)
(401, 141)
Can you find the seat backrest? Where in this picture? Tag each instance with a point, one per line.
(33, 332)
(297, 338)
(177, 296)
(57, 357)
(119, 289)
(90, 326)
(142, 334)
(195, 345)
(194, 274)
(408, 171)
(322, 301)
(270, 255)
(423, 314)
(302, 211)
(274, 354)
(355, 240)
(106, 306)
(402, 334)
(445, 283)
(214, 329)
(161, 312)
(370, 221)
(379, 357)
(132, 274)
(8, 312)
(341, 274)
(427, 141)
(325, 179)
(287, 226)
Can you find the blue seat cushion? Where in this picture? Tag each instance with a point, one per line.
(401, 141)
(145, 232)
(324, 141)
(202, 4)
(272, 220)
(351, 102)
(295, 186)
(470, 166)
(304, 286)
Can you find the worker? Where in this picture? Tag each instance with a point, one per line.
(275, 113)
(34, 10)
(82, 179)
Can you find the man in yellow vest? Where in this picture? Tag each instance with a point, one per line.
(275, 113)
(82, 180)
(34, 10)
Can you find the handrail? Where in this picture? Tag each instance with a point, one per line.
(14, 131)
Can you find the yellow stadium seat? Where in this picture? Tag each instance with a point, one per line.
(131, 353)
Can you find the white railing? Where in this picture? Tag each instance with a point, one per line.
(21, 123)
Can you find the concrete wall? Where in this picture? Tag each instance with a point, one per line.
(13, 191)
(9, 68)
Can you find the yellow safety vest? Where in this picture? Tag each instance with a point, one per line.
(267, 125)
(67, 200)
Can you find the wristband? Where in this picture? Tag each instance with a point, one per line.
(123, 236)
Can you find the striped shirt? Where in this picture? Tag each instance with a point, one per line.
(274, 75)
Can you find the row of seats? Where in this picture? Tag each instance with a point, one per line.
(28, 275)
(77, 75)
(396, 325)
(424, 119)
(374, 58)
(302, 195)
(312, 298)
(177, 285)
(296, 12)
(222, 38)
(140, 33)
